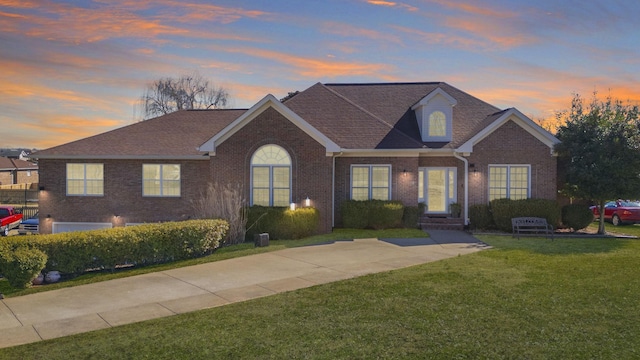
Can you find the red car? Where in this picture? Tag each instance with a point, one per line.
(619, 212)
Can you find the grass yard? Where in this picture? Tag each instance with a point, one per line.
(532, 298)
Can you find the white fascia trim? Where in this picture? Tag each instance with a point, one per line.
(124, 157)
(396, 152)
(266, 102)
(519, 118)
(431, 95)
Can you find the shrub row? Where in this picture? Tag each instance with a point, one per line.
(282, 222)
(505, 209)
(77, 252)
(374, 214)
(498, 214)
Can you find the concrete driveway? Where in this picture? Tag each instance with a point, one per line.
(63, 312)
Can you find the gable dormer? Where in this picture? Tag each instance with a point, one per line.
(434, 114)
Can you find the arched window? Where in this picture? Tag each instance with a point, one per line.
(271, 176)
(437, 124)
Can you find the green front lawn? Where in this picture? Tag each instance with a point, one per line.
(631, 230)
(532, 298)
(221, 254)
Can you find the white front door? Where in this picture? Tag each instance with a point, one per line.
(438, 188)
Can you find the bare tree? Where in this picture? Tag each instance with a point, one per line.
(169, 94)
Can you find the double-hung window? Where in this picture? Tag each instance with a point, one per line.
(509, 181)
(161, 180)
(85, 179)
(370, 182)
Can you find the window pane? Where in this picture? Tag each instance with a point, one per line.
(360, 176)
(437, 124)
(360, 193)
(150, 171)
(151, 187)
(380, 175)
(380, 194)
(75, 171)
(75, 187)
(261, 177)
(281, 177)
(518, 182)
(261, 197)
(94, 171)
(281, 197)
(497, 182)
(171, 188)
(94, 187)
(171, 172)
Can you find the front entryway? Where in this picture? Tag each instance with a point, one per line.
(437, 189)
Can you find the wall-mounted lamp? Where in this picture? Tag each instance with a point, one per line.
(473, 168)
(48, 216)
(292, 206)
(116, 216)
(41, 188)
(404, 172)
(307, 202)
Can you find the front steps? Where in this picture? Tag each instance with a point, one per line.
(440, 223)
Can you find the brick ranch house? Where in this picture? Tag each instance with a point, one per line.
(16, 171)
(413, 142)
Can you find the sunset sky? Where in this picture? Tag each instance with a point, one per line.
(71, 69)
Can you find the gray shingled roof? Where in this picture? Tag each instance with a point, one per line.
(173, 135)
(354, 116)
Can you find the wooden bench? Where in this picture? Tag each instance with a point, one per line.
(531, 225)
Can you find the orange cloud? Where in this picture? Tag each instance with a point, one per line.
(315, 68)
(392, 4)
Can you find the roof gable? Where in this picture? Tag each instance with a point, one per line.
(499, 119)
(268, 101)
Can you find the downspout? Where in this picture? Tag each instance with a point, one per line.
(333, 191)
(466, 186)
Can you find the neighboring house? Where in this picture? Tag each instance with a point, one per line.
(14, 171)
(412, 142)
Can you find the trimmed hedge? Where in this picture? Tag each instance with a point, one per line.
(21, 264)
(282, 222)
(77, 252)
(374, 214)
(505, 209)
(480, 217)
(411, 216)
(576, 216)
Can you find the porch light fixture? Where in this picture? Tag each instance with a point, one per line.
(41, 188)
(404, 172)
(292, 206)
(473, 168)
(307, 202)
(48, 216)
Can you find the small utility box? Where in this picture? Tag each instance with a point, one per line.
(261, 240)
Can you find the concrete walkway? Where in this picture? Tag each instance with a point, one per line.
(63, 312)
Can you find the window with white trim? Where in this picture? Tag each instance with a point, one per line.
(161, 180)
(371, 182)
(437, 124)
(85, 179)
(509, 181)
(271, 176)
